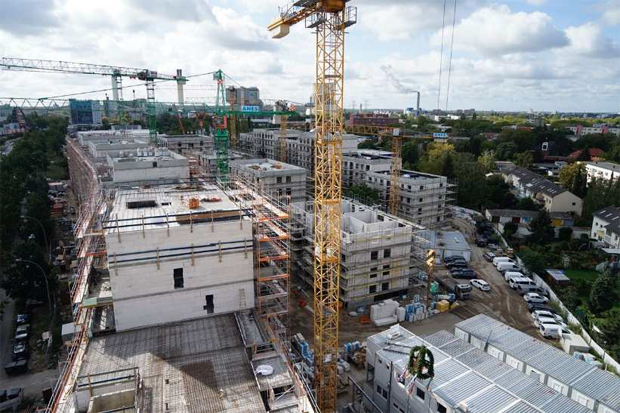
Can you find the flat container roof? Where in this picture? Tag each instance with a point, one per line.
(482, 382)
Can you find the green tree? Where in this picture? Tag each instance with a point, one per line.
(603, 295)
(505, 151)
(364, 193)
(584, 155)
(542, 231)
(497, 194)
(533, 261)
(565, 234)
(368, 144)
(447, 166)
(574, 178)
(510, 228)
(487, 161)
(600, 194)
(472, 185)
(410, 154)
(610, 331)
(524, 159)
(527, 204)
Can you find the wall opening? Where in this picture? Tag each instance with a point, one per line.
(209, 304)
(178, 278)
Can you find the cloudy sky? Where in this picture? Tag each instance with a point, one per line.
(549, 55)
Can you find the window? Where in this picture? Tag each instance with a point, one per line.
(421, 200)
(441, 408)
(421, 187)
(420, 393)
(288, 191)
(374, 255)
(288, 179)
(279, 179)
(373, 275)
(385, 286)
(386, 266)
(209, 304)
(373, 268)
(178, 278)
(154, 164)
(372, 289)
(386, 273)
(387, 253)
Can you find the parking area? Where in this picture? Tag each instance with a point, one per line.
(501, 302)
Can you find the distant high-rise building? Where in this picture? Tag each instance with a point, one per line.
(85, 112)
(243, 96)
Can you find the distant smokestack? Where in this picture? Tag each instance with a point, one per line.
(417, 110)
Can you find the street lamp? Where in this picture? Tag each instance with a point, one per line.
(47, 286)
(47, 245)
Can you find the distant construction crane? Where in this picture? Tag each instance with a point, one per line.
(116, 74)
(329, 19)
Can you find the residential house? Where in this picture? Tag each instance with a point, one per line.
(523, 218)
(602, 171)
(606, 226)
(551, 196)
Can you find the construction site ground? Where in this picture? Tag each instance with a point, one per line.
(501, 302)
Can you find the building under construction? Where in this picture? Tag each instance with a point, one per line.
(379, 253)
(180, 298)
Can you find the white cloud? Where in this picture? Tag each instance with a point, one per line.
(496, 30)
(589, 40)
(536, 2)
(611, 12)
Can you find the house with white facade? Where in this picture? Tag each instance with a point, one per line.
(549, 195)
(148, 164)
(602, 171)
(356, 165)
(606, 226)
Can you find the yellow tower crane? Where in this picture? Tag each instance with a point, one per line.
(329, 19)
(395, 171)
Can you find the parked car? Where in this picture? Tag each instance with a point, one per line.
(20, 351)
(499, 259)
(22, 333)
(488, 256)
(465, 273)
(16, 367)
(535, 298)
(453, 259)
(481, 242)
(524, 289)
(507, 261)
(546, 313)
(538, 306)
(480, 284)
(549, 320)
(23, 319)
(522, 282)
(457, 264)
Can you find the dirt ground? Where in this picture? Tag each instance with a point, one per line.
(501, 302)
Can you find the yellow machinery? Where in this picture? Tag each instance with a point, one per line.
(329, 19)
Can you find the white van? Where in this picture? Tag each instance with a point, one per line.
(552, 331)
(505, 262)
(509, 274)
(507, 266)
(500, 259)
(520, 281)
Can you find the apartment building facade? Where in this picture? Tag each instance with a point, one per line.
(602, 171)
(278, 179)
(356, 165)
(377, 253)
(422, 197)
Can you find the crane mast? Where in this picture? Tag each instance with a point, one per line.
(329, 19)
(220, 124)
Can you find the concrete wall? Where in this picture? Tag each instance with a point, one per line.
(144, 293)
(149, 169)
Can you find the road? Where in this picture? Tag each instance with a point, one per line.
(33, 384)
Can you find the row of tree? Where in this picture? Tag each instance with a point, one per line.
(26, 227)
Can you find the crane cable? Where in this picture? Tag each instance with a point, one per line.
(122, 87)
(450, 61)
(443, 25)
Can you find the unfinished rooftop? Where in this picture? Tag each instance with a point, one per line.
(193, 366)
(169, 205)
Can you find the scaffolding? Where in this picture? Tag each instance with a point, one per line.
(272, 252)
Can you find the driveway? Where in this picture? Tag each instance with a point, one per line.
(501, 302)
